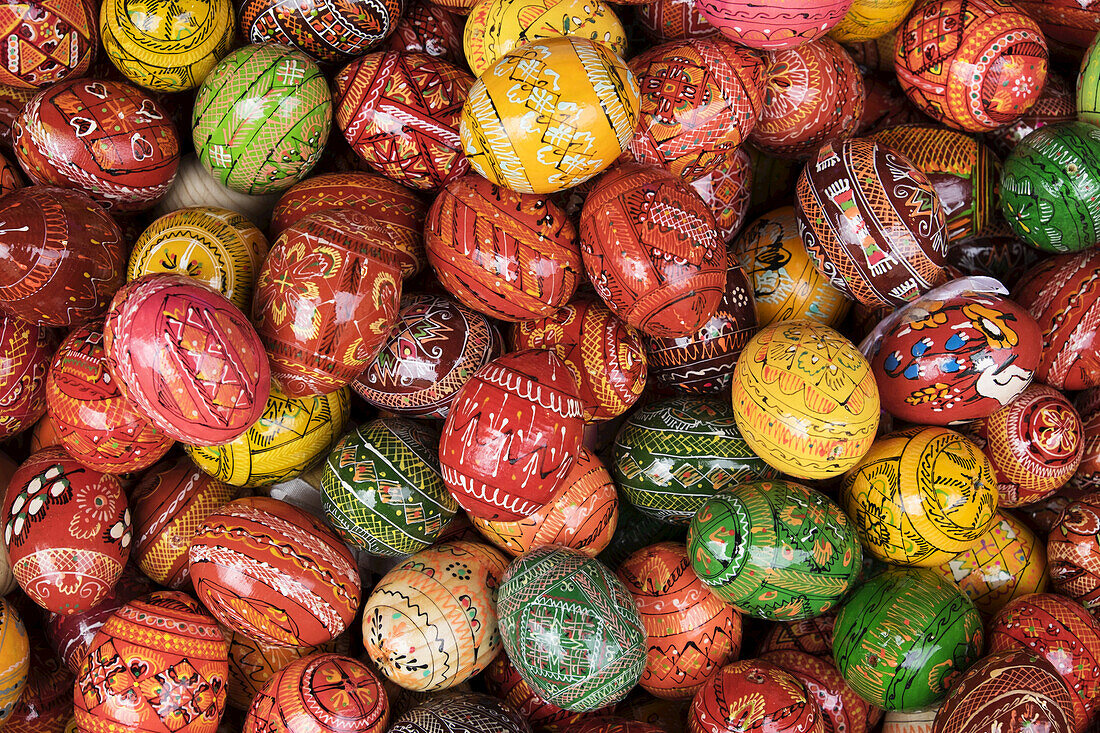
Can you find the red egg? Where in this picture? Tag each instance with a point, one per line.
(64, 256)
(46, 41)
(503, 681)
(812, 636)
(1068, 24)
(513, 256)
(47, 701)
(102, 137)
(329, 32)
(10, 178)
(770, 700)
(652, 250)
(512, 435)
(326, 298)
(97, 425)
(427, 28)
(25, 353)
(67, 530)
(700, 99)
(1087, 404)
(673, 20)
(274, 573)
(726, 191)
(186, 358)
(776, 25)
(1056, 103)
(1073, 550)
(885, 104)
(843, 711)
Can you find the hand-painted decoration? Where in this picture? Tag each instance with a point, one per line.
(672, 20)
(1005, 258)
(842, 710)
(15, 657)
(461, 712)
(767, 698)
(811, 635)
(773, 24)
(329, 31)
(1055, 104)
(46, 41)
(26, 351)
(870, 19)
(726, 191)
(1087, 478)
(1074, 550)
(503, 681)
(425, 27)
(253, 663)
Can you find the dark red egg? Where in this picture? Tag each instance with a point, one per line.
(1006, 258)
(769, 699)
(1073, 551)
(1087, 403)
(843, 711)
(673, 20)
(327, 31)
(812, 635)
(884, 104)
(46, 41)
(25, 354)
(427, 28)
(726, 190)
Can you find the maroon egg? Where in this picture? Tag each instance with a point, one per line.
(427, 28)
(812, 635)
(512, 434)
(63, 256)
(1073, 551)
(102, 137)
(673, 20)
(772, 700)
(1087, 476)
(187, 359)
(25, 353)
(843, 711)
(726, 190)
(1006, 258)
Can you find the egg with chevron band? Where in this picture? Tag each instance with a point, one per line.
(754, 695)
(431, 622)
(253, 663)
(690, 632)
(161, 646)
(805, 399)
(571, 629)
(773, 25)
(775, 549)
(872, 222)
(920, 496)
(15, 658)
(305, 595)
(841, 708)
(606, 356)
(46, 41)
(26, 351)
(215, 246)
(292, 434)
(593, 97)
(671, 456)
(905, 637)
(328, 31)
(381, 489)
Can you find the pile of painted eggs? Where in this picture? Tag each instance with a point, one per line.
(546, 366)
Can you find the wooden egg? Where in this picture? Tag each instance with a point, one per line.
(1056, 104)
(810, 635)
(773, 27)
(503, 682)
(872, 222)
(690, 632)
(920, 496)
(425, 27)
(187, 359)
(772, 699)
(461, 712)
(669, 20)
(842, 710)
(327, 32)
(512, 256)
(870, 19)
(67, 530)
(25, 354)
(512, 435)
(431, 622)
(302, 597)
(46, 41)
(326, 298)
(253, 663)
(47, 700)
(64, 256)
(917, 720)
(15, 658)
(726, 191)
(1003, 257)
(1074, 551)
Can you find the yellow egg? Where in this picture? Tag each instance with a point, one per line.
(15, 657)
(550, 115)
(920, 496)
(805, 399)
(870, 19)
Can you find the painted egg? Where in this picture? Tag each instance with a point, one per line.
(917, 720)
(754, 695)
(1087, 97)
(700, 98)
(606, 356)
(773, 26)
(510, 255)
(1055, 104)
(8, 468)
(292, 435)
(103, 137)
(503, 682)
(926, 517)
(256, 98)
(15, 657)
(461, 712)
(322, 692)
(872, 222)
(1062, 293)
(326, 298)
(398, 209)
(672, 20)
(46, 41)
(1067, 24)
(690, 632)
(400, 113)
(25, 354)
(497, 27)
(703, 362)
(304, 596)
(1063, 633)
(1035, 444)
(775, 549)
(433, 349)
(430, 623)
(425, 27)
(1048, 187)
(187, 359)
(671, 456)
(813, 94)
(512, 435)
(786, 286)
(726, 190)
(652, 250)
(1074, 551)
(164, 644)
(1006, 562)
(47, 700)
(97, 425)
(963, 171)
(582, 515)
(805, 399)
(329, 32)
(1000, 257)
(904, 638)
(1042, 515)
(253, 663)
(1009, 691)
(842, 709)
(67, 530)
(945, 362)
(381, 489)
(583, 131)
(571, 629)
(64, 256)
(985, 73)
(215, 246)
(164, 46)
(12, 101)
(810, 635)
(870, 19)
